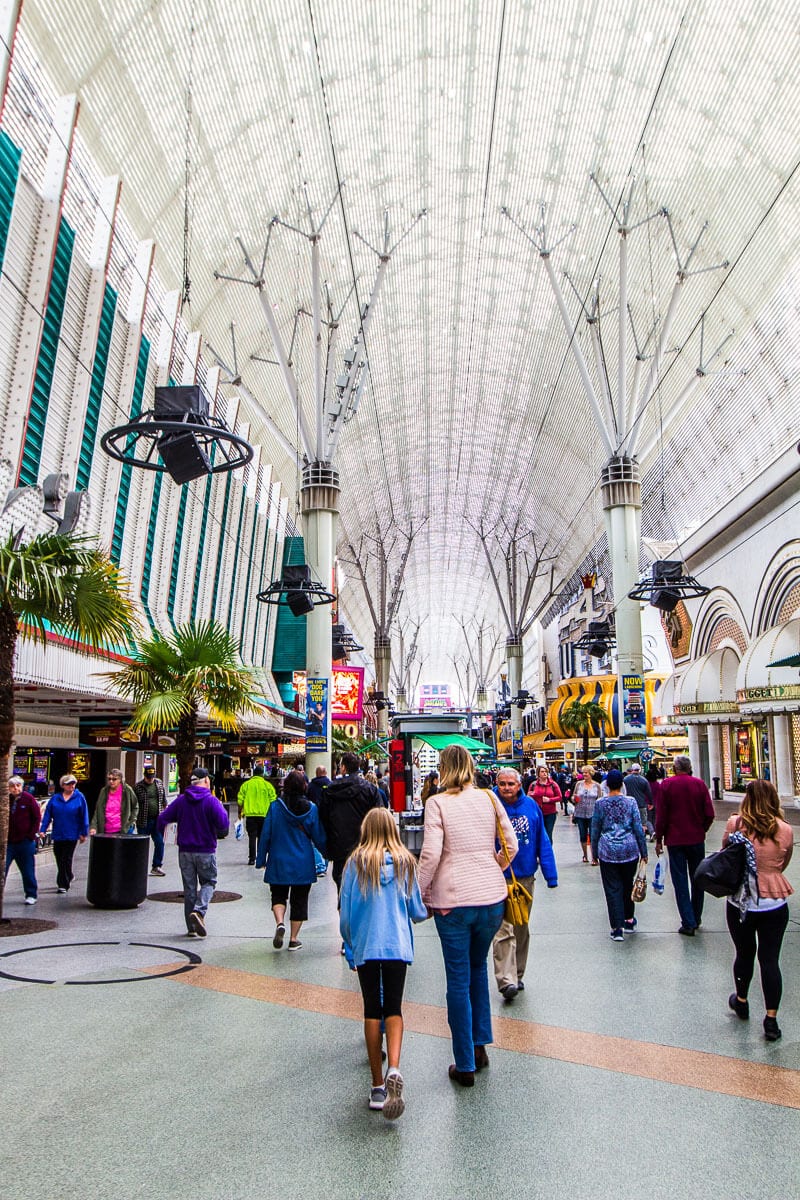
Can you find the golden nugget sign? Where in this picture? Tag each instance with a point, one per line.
(790, 691)
(712, 706)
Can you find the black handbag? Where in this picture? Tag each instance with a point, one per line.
(722, 874)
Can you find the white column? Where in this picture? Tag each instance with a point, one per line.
(715, 757)
(694, 748)
(514, 660)
(621, 494)
(383, 668)
(320, 504)
(782, 774)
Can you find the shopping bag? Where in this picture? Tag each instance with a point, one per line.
(238, 830)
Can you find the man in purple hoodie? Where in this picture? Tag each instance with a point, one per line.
(201, 820)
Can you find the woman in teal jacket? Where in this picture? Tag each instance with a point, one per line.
(292, 829)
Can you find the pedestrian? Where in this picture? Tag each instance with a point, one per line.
(379, 900)
(639, 789)
(511, 942)
(117, 806)
(684, 814)
(24, 817)
(201, 819)
(342, 807)
(618, 841)
(430, 786)
(292, 830)
(461, 880)
(757, 919)
(585, 795)
(255, 796)
(317, 785)
(547, 795)
(69, 813)
(152, 800)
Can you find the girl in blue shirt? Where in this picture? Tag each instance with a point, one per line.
(380, 898)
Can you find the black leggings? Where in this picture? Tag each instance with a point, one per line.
(762, 931)
(382, 984)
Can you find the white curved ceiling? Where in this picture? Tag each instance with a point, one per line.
(474, 408)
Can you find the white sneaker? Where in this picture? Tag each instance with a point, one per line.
(30, 899)
(395, 1104)
(377, 1098)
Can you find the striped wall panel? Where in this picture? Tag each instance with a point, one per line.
(90, 428)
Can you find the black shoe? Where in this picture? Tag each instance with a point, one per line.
(481, 1058)
(771, 1029)
(686, 930)
(465, 1078)
(740, 1007)
(520, 986)
(280, 934)
(509, 992)
(197, 923)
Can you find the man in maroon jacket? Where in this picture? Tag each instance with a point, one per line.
(684, 814)
(24, 816)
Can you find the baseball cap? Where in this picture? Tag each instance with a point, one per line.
(199, 773)
(635, 767)
(149, 770)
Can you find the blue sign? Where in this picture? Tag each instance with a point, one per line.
(317, 715)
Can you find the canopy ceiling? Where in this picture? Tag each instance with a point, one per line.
(474, 410)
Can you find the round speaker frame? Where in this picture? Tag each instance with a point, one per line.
(209, 431)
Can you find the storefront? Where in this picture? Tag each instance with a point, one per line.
(706, 702)
(768, 734)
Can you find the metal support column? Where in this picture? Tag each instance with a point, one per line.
(319, 497)
(622, 504)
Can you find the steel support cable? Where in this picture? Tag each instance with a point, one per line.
(479, 264)
(348, 241)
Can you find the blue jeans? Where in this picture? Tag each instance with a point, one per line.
(158, 842)
(683, 862)
(466, 935)
(24, 855)
(549, 824)
(197, 869)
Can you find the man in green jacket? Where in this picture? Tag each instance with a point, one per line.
(255, 797)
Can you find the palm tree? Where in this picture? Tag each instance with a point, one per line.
(580, 717)
(169, 679)
(59, 580)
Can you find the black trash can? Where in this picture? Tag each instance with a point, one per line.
(118, 870)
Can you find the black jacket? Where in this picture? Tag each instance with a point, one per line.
(342, 807)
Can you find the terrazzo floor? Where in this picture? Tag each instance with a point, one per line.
(619, 1072)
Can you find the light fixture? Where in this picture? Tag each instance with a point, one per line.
(177, 436)
(521, 699)
(598, 639)
(301, 592)
(667, 585)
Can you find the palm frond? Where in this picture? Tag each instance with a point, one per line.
(162, 711)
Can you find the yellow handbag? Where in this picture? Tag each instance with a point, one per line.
(519, 899)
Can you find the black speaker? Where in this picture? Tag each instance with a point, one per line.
(177, 402)
(299, 603)
(299, 573)
(183, 456)
(665, 598)
(666, 571)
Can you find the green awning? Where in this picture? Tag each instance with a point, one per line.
(439, 740)
(792, 661)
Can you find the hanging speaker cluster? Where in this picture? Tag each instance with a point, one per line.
(598, 639)
(178, 436)
(667, 585)
(297, 589)
(343, 643)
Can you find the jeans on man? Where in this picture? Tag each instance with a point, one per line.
(24, 855)
(466, 935)
(199, 875)
(253, 825)
(618, 880)
(683, 862)
(158, 842)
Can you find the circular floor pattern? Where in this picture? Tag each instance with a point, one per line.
(145, 972)
(177, 897)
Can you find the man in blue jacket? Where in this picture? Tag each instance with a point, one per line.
(201, 820)
(511, 942)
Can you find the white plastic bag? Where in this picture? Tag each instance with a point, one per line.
(238, 830)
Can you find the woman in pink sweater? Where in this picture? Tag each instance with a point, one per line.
(759, 922)
(462, 882)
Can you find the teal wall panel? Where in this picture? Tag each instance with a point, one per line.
(289, 653)
(125, 476)
(97, 387)
(43, 379)
(10, 156)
